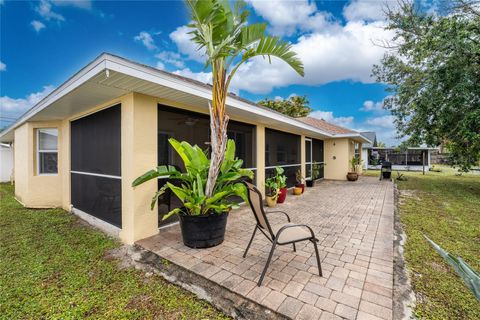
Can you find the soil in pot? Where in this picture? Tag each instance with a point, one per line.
(352, 176)
(203, 231)
(271, 201)
(282, 195)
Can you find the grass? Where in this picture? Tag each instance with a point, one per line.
(52, 266)
(446, 208)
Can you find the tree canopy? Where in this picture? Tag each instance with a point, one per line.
(294, 106)
(433, 72)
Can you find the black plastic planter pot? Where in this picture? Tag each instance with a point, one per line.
(310, 183)
(203, 231)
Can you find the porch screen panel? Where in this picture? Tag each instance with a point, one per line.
(96, 165)
(193, 127)
(317, 156)
(282, 150)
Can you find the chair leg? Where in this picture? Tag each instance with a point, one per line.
(266, 265)
(250, 242)
(318, 257)
(294, 248)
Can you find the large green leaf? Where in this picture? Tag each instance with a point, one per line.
(160, 171)
(274, 46)
(469, 276)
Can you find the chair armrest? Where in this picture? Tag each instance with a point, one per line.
(293, 226)
(276, 211)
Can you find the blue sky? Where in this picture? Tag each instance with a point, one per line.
(45, 42)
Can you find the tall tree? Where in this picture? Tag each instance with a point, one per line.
(295, 106)
(433, 72)
(228, 41)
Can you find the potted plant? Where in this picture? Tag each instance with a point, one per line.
(202, 219)
(315, 174)
(299, 185)
(271, 190)
(282, 184)
(353, 175)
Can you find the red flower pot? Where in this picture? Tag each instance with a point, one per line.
(282, 195)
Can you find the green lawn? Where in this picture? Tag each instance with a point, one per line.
(52, 266)
(446, 208)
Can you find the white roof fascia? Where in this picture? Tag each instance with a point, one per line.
(352, 135)
(145, 73)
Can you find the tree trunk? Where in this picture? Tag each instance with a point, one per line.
(218, 125)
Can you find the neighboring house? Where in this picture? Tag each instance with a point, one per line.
(81, 147)
(6, 162)
(372, 136)
(410, 159)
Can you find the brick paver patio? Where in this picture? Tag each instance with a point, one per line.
(354, 223)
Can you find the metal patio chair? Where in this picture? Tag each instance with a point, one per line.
(282, 234)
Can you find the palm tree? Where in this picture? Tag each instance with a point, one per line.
(223, 33)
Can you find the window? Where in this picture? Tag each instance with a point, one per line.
(47, 147)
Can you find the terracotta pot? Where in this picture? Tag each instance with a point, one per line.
(282, 195)
(271, 201)
(352, 176)
(301, 186)
(297, 191)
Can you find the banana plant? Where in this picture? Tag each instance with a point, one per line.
(190, 188)
(469, 276)
(228, 41)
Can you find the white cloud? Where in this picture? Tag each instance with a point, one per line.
(3, 66)
(146, 39)
(288, 17)
(160, 65)
(186, 46)
(13, 108)
(172, 58)
(44, 9)
(205, 77)
(371, 106)
(347, 54)
(82, 4)
(329, 117)
(37, 25)
(382, 121)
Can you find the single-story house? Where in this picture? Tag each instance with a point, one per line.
(81, 147)
(6, 162)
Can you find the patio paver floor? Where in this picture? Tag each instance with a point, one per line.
(354, 223)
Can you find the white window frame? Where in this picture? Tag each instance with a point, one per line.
(39, 151)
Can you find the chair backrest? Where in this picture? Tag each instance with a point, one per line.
(256, 204)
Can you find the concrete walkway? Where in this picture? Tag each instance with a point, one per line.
(354, 222)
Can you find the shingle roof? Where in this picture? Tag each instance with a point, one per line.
(372, 136)
(326, 126)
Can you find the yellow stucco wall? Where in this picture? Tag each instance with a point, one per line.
(32, 189)
(260, 158)
(338, 153)
(139, 154)
(21, 163)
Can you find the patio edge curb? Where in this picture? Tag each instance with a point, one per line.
(222, 298)
(403, 296)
